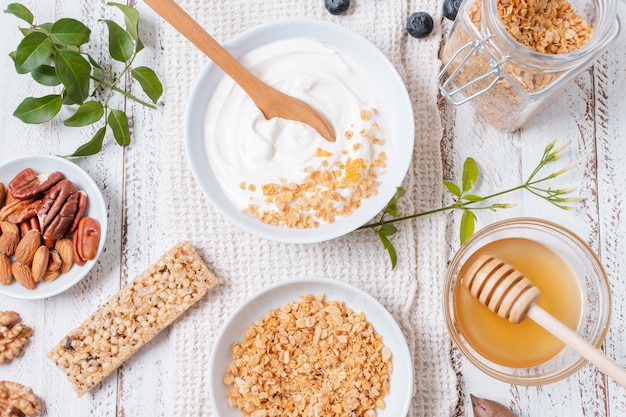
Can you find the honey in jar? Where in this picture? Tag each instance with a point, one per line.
(525, 344)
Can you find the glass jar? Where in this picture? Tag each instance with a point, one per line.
(507, 82)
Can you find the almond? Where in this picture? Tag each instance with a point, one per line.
(23, 275)
(65, 251)
(6, 276)
(7, 227)
(50, 276)
(27, 247)
(40, 262)
(8, 243)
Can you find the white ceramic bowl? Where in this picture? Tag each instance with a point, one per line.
(398, 122)
(96, 209)
(398, 399)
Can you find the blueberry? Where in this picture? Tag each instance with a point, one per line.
(419, 24)
(337, 6)
(451, 8)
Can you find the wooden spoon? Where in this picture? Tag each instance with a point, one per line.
(270, 101)
(508, 293)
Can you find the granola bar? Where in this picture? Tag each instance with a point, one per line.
(132, 317)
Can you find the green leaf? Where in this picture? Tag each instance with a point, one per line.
(94, 63)
(88, 113)
(388, 230)
(131, 18)
(390, 249)
(472, 197)
(46, 75)
(392, 206)
(38, 110)
(139, 46)
(120, 42)
(20, 11)
(73, 70)
(32, 52)
(68, 31)
(93, 146)
(149, 82)
(453, 188)
(67, 100)
(468, 221)
(45, 27)
(470, 174)
(119, 125)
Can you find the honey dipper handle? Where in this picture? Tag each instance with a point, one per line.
(580, 345)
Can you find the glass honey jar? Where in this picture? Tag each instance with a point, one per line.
(507, 81)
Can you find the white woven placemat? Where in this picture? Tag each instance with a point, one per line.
(411, 292)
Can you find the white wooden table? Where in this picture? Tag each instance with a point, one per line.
(591, 116)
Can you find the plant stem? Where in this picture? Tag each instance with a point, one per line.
(124, 93)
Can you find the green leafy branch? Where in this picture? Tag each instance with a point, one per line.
(468, 202)
(51, 54)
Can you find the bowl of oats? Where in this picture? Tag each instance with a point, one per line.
(285, 351)
(279, 179)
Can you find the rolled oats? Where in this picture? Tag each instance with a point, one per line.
(309, 358)
(335, 190)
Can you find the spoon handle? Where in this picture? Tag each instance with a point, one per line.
(180, 20)
(578, 344)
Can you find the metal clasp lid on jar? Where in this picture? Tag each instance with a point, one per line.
(445, 83)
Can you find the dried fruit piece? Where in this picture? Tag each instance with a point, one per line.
(40, 263)
(26, 248)
(13, 335)
(65, 251)
(28, 183)
(488, 408)
(355, 170)
(23, 274)
(8, 243)
(6, 276)
(20, 399)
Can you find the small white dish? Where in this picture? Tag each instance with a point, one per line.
(275, 296)
(398, 121)
(96, 208)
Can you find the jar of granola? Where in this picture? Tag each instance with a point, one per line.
(511, 58)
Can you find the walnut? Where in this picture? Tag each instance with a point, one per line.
(18, 400)
(13, 335)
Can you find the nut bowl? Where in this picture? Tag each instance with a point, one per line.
(498, 352)
(392, 109)
(95, 208)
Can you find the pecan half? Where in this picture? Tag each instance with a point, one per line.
(3, 193)
(58, 210)
(82, 203)
(86, 240)
(28, 183)
(26, 213)
(13, 205)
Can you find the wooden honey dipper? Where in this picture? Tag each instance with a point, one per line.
(508, 293)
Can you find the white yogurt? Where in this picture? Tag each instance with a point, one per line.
(246, 151)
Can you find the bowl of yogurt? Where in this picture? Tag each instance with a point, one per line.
(279, 179)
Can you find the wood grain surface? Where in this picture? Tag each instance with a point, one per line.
(591, 116)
